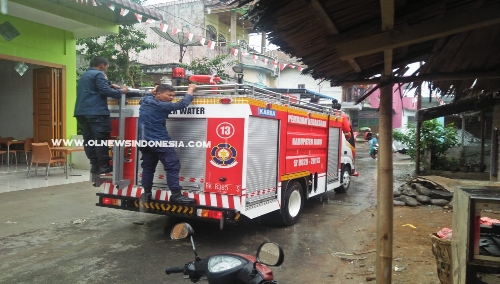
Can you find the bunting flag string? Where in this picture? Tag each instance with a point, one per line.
(211, 44)
(139, 17)
(124, 12)
(163, 27)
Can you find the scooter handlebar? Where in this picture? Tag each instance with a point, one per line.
(179, 269)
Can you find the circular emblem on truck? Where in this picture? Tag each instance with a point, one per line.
(223, 156)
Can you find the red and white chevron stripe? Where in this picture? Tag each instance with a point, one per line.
(205, 199)
(261, 192)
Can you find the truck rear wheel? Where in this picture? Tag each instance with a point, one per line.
(292, 203)
(346, 180)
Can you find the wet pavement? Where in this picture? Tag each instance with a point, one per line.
(58, 235)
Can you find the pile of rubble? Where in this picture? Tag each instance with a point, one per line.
(418, 192)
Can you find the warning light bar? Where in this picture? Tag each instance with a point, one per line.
(225, 101)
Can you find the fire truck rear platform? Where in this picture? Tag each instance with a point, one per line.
(244, 151)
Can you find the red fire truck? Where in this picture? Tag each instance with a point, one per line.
(243, 150)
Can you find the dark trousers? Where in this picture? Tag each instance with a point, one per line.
(168, 157)
(97, 128)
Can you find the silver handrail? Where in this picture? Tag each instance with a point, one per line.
(244, 90)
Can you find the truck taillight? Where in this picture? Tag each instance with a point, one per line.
(225, 101)
(111, 201)
(209, 214)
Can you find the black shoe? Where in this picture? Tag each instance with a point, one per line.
(94, 169)
(105, 169)
(179, 198)
(145, 197)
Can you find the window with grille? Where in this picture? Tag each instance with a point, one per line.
(222, 40)
(211, 33)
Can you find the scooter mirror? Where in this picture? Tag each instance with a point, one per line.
(270, 254)
(181, 231)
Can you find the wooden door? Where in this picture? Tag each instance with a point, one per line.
(47, 104)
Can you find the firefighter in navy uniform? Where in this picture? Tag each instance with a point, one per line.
(153, 112)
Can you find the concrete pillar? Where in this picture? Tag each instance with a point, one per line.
(233, 27)
(263, 42)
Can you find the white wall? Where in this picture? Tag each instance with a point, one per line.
(16, 97)
(291, 78)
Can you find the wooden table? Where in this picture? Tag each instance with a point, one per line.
(8, 143)
(67, 151)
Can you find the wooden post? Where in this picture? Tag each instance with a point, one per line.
(419, 127)
(385, 187)
(483, 130)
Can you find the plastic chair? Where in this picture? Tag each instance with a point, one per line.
(41, 154)
(26, 149)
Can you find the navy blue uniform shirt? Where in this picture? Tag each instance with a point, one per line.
(153, 115)
(92, 93)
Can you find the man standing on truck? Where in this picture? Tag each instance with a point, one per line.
(346, 125)
(92, 113)
(153, 112)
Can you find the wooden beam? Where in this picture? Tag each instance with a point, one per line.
(354, 65)
(452, 23)
(330, 26)
(387, 14)
(427, 77)
(388, 62)
(448, 77)
(323, 17)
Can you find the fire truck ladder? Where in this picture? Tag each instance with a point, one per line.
(249, 91)
(118, 150)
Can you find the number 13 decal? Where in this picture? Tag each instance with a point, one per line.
(225, 130)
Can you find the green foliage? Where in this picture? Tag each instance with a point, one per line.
(433, 136)
(203, 65)
(117, 50)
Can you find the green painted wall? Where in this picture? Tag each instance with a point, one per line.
(47, 44)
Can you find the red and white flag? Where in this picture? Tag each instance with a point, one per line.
(111, 6)
(189, 36)
(94, 3)
(254, 57)
(275, 63)
(243, 54)
(175, 31)
(124, 12)
(149, 21)
(163, 27)
(211, 44)
(202, 40)
(282, 66)
(234, 51)
(299, 68)
(265, 60)
(291, 66)
(139, 17)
